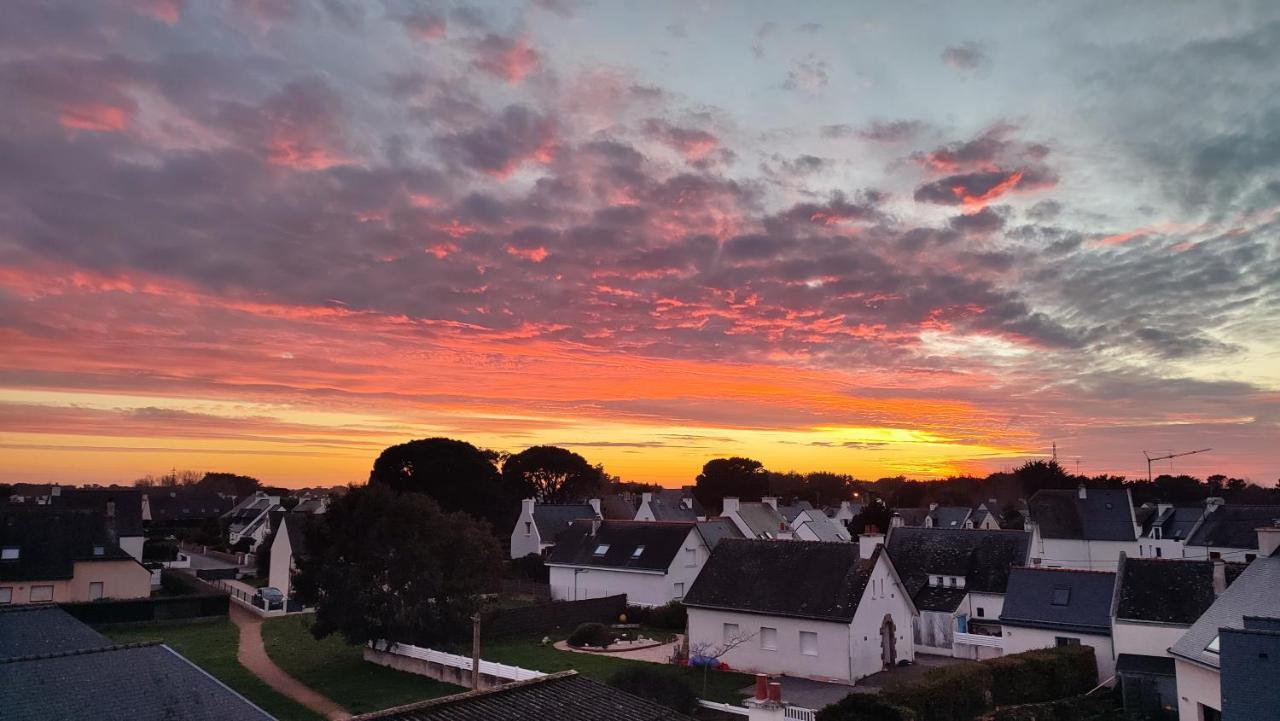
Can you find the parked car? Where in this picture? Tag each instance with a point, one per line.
(269, 598)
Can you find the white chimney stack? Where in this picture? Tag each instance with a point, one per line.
(868, 541)
(646, 497)
(771, 501)
(1219, 577)
(526, 507)
(895, 521)
(595, 505)
(730, 504)
(1268, 540)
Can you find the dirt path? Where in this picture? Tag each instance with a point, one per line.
(253, 655)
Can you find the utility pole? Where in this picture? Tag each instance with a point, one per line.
(475, 652)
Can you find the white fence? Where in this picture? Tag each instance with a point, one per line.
(724, 707)
(798, 713)
(488, 668)
(790, 713)
(979, 639)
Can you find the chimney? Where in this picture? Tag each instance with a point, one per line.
(775, 692)
(868, 541)
(933, 506)
(1269, 540)
(526, 507)
(595, 526)
(595, 505)
(1219, 577)
(762, 687)
(111, 508)
(729, 505)
(646, 497)
(895, 521)
(770, 501)
(994, 504)
(1212, 503)
(56, 490)
(1081, 493)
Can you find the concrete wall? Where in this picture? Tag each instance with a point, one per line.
(1017, 640)
(1197, 686)
(439, 672)
(1148, 639)
(706, 630)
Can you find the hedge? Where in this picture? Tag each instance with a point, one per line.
(591, 634)
(658, 684)
(949, 693)
(1076, 708)
(963, 691)
(1043, 675)
(674, 616)
(865, 707)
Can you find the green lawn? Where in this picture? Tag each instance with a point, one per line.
(212, 646)
(530, 653)
(340, 672)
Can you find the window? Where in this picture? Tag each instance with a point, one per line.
(639, 550)
(9, 553)
(679, 594)
(1213, 645)
(6, 595)
(1210, 714)
(1156, 532)
(1066, 641)
(1061, 596)
(1215, 555)
(95, 590)
(981, 612)
(41, 593)
(951, 581)
(602, 549)
(1159, 552)
(99, 550)
(528, 528)
(768, 638)
(730, 632)
(808, 643)
(690, 557)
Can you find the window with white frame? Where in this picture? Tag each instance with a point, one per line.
(690, 557)
(638, 551)
(95, 590)
(730, 632)
(6, 595)
(808, 643)
(768, 638)
(9, 553)
(602, 549)
(40, 594)
(679, 591)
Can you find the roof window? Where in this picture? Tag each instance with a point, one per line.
(639, 550)
(10, 553)
(1061, 596)
(1213, 645)
(602, 549)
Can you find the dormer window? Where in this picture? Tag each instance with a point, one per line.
(639, 550)
(10, 553)
(602, 549)
(1061, 596)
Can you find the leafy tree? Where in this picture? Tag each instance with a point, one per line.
(741, 477)
(553, 475)
(873, 513)
(657, 684)
(1037, 475)
(230, 483)
(822, 488)
(394, 566)
(459, 476)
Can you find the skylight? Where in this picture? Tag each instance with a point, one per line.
(9, 553)
(1213, 645)
(1061, 596)
(602, 549)
(639, 550)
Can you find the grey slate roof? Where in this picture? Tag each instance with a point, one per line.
(296, 525)
(761, 577)
(789, 511)
(662, 541)
(1103, 515)
(714, 530)
(42, 629)
(679, 496)
(1256, 592)
(181, 504)
(118, 683)
(51, 540)
(982, 558)
(666, 511)
(912, 516)
(1167, 590)
(824, 530)
(619, 506)
(563, 696)
(762, 519)
(949, 516)
(1234, 526)
(1029, 600)
(552, 519)
(1174, 523)
(127, 503)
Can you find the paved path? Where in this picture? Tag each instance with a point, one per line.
(253, 655)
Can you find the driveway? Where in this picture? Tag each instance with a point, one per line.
(253, 656)
(200, 561)
(807, 693)
(924, 662)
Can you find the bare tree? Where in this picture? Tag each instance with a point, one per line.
(706, 649)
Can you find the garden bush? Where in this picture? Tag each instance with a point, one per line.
(657, 684)
(1076, 708)
(591, 634)
(1043, 675)
(949, 693)
(865, 707)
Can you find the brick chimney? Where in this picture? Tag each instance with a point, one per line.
(1219, 577)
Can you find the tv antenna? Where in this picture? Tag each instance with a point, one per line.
(1151, 459)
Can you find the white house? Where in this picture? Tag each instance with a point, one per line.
(757, 520)
(1084, 528)
(250, 518)
(288, 545)
(1201, 653)
(540, 524)
(811, 524)
(957, 579)
(1157, 600)
(1229, 533)
(653, 562)
(986, 516)
(845, 512)
(668, 507)
(848, 618)
(1047, 607)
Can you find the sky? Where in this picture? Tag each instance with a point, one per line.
(274, 237)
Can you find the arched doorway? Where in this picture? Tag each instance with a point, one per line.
(888, 641)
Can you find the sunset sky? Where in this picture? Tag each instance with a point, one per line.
(274, 237)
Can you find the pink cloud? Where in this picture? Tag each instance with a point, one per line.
(510, 59)
(95, 116)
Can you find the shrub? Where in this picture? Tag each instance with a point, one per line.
(656, 684)
(865, 707)
(1043, 674)
(591, 634)
(950, 693)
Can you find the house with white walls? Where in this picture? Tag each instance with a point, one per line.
(757, 519)
(250, 519)
(957, 579)
(540, 524)
(848, 618)
(1084, 528)
(1250, 605)
(288, 545)
(811, 524)
(1229, 532)
(986, 516)
(1157, 600)
(1048, 607)
(653, 562)
(844, 512)
(669, 506)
